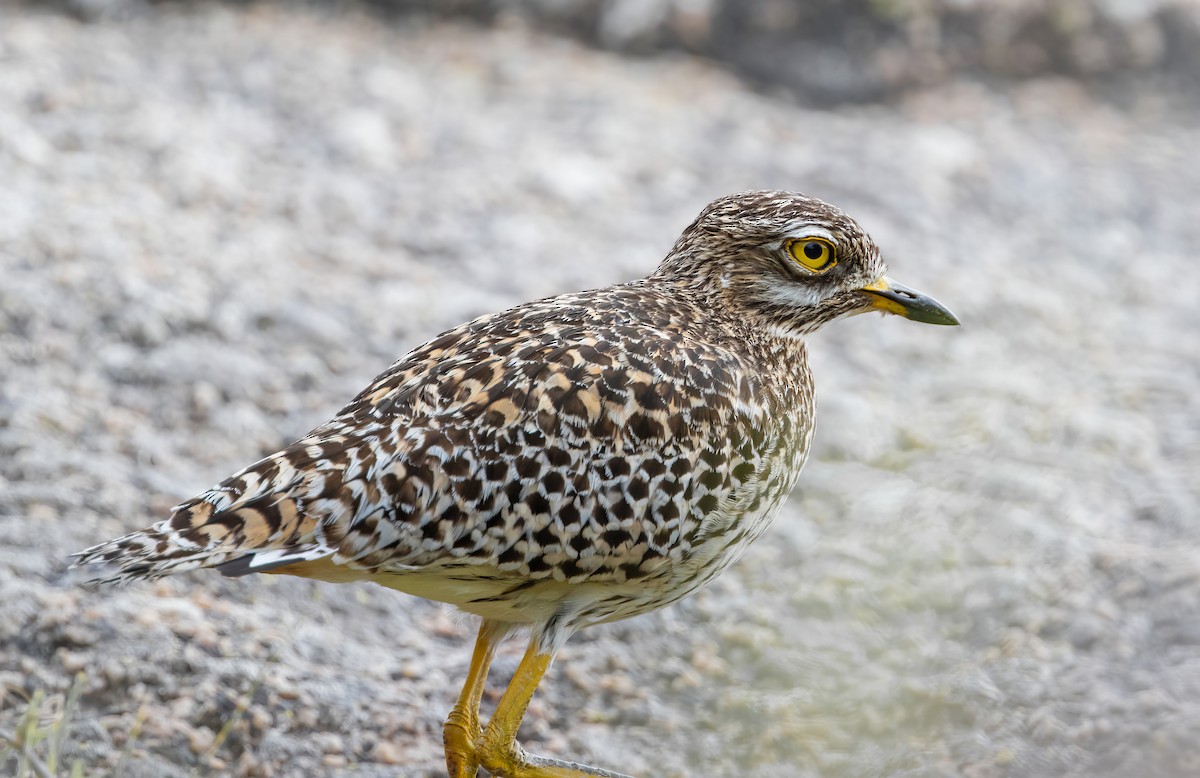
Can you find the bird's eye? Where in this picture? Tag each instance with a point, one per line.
(815, 254)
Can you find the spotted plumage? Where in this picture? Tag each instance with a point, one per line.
(570, 461)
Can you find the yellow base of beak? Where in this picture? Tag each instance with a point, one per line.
(891, 297)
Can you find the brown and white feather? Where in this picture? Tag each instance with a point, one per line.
(578, 459)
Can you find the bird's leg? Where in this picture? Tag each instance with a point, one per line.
(498, 749)
(462, 730)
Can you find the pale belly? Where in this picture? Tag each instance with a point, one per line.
(508, 597)
(716, 542)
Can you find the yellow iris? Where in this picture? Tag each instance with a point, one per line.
(815, 254)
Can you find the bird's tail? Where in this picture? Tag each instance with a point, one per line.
(252, 522)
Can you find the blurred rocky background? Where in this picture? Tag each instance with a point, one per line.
(853, 50)
(220, 220)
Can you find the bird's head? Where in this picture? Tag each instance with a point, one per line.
(794, 259)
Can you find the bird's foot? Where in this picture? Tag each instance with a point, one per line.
(459, 735)
(509, 760)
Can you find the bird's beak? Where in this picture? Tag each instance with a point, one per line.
(890, 297)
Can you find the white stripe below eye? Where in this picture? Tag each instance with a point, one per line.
(794, 295)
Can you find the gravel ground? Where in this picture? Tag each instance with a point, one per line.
(216, 224)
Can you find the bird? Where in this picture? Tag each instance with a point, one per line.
(568, 462)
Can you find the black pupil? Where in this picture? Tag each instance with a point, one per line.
(814, 250)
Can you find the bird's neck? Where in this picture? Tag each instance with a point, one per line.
(734, 309)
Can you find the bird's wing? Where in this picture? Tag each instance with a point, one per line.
(550, 441)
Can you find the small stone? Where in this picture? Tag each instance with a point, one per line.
(444, 626)
(706, 660)
(386, 753)
(287, 691)
(72, 661)
(617, 684)
(200, 740)
(248, 766)
(686, 680)
(260, 718)
(306, 719)
(115, 672)
(328, 742)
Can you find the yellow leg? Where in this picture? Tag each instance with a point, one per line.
(462, 731)
(498, 750)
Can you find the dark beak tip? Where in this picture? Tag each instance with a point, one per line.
(943, 317)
